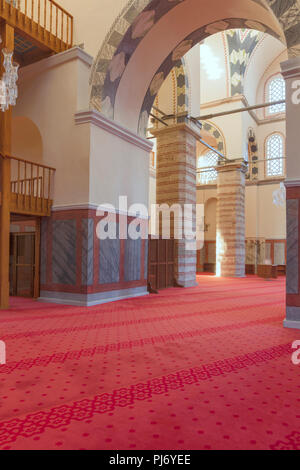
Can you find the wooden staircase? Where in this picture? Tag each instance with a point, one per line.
(42, 27)
(33, 30)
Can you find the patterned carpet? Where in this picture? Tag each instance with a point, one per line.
(203, 368)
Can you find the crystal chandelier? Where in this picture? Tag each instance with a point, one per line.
(8, 82)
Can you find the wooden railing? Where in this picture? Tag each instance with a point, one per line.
(45, 14)
(28, 185)
(31, 186)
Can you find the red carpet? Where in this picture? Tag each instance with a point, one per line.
(203, 368)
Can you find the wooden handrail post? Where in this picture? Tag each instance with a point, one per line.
(7, 34)
(45, 16)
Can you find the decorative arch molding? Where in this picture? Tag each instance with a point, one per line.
(216, 132)
(136, 21)
(183, 87)
(107, 51)
(241, 44)
(172, 60)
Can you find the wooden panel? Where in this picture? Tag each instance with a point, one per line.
(161, 263)
(267, 271)
(250, 269)
(36, 206)
(22, 265)
(210, 268)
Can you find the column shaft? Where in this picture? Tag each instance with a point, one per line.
(176, 185)
(291, 73)
(231, 220)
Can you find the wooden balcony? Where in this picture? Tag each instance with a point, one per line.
(42, 27)
(30, 188)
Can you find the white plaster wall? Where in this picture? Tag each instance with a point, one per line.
(262, 133)
(263, 218)
(92, 20)
(251, 212)
(210, 212)
(214, 87)
(272, 69)
(231, 126)
(117, 168)
(192, 59)
(50, 92)
(271, 219)
(27, 141)
(262, 62)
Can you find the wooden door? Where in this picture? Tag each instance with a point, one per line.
(161, 263)
(22, 264)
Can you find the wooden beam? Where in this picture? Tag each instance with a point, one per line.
(7, 35)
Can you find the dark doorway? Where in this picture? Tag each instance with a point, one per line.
(24, 257)
(161, 263)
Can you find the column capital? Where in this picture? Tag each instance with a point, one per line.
(189, 128)
(291, 68)
(238, 164)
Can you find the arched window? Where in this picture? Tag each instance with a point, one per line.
(276, 92)
(207, 164)
(274, 155)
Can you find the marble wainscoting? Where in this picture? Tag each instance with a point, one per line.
(79, 269)
(88, 240)
(109, 262)
(293, 267)
(64, 245)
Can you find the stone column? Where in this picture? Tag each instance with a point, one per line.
(176, 185)
(231, 250)
(291, 73)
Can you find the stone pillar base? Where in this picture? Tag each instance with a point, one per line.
(231, 250)
(90, 300)
(294, 325)
(79, 269)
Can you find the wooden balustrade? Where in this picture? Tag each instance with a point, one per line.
(43, 17)
(31, 187)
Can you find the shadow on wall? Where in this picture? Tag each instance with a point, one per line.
(26, 140)
(211, 219)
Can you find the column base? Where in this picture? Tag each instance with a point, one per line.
(186, 284)
(89, 300)
(292, 318)
(294, 325)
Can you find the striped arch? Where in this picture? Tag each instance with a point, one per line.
(215, 132)
(114, 37)
(183, 86)
(241, 44)
(136, 21)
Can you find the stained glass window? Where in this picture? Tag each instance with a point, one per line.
(207, 162)
(277, 93)
(274, 155)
